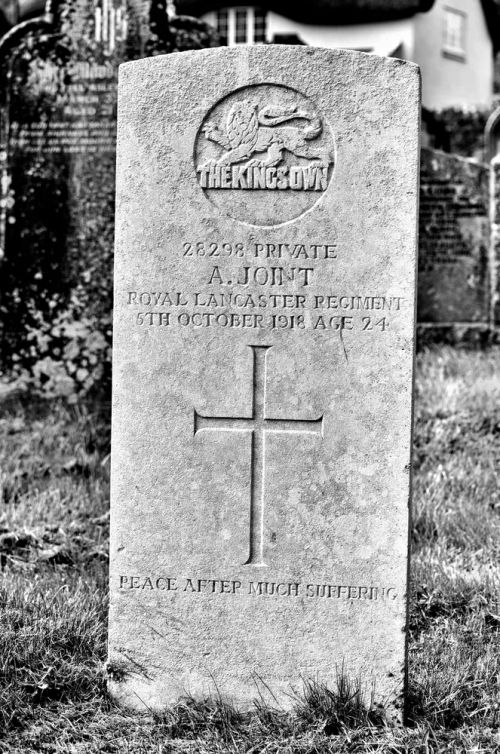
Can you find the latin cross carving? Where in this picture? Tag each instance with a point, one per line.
(260, 425)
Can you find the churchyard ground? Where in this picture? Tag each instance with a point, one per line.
(53, 591)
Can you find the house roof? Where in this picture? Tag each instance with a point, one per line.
(338, 12)
(321, 11)
(314, 11)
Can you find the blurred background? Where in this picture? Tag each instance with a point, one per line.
(58, 74)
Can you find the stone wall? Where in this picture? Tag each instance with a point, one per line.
(456, 279)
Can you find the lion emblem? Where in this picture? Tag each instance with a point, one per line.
(250, 130)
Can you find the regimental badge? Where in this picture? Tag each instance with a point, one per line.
(262, 139)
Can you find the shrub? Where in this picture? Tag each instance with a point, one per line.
(457, 130)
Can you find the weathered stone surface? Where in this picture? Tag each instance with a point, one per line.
(263, 373)
(454, 272)
(58, 91)
(58, 146)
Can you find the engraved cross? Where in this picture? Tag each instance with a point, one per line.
(259, 425)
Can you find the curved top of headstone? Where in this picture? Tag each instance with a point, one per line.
(267, 111)
(264, 108)
(259, 53)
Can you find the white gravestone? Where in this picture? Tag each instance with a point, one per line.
(263, 357)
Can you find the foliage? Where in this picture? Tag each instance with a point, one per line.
(177, 33)
(457, 130)
(70, 353)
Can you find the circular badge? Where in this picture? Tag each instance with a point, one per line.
(264, 155)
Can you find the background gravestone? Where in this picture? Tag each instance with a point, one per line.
(454, 276)
(263, 352)
(59, 126)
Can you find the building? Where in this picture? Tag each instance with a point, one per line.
(454, 41)
(455, 44)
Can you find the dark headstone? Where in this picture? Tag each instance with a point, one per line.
(59, 143)
(453, 277)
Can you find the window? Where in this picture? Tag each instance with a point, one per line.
(237, 26)
(454, 34)
(240, 36)
(222, 25)
(259, 25)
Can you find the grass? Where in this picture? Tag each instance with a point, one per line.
(53, 594)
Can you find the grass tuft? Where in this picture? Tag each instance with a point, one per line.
(340, 709)
(190, 718)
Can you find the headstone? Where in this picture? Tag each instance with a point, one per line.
(454, 282)
(57, 205)
(263, 352)
(57, 156)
